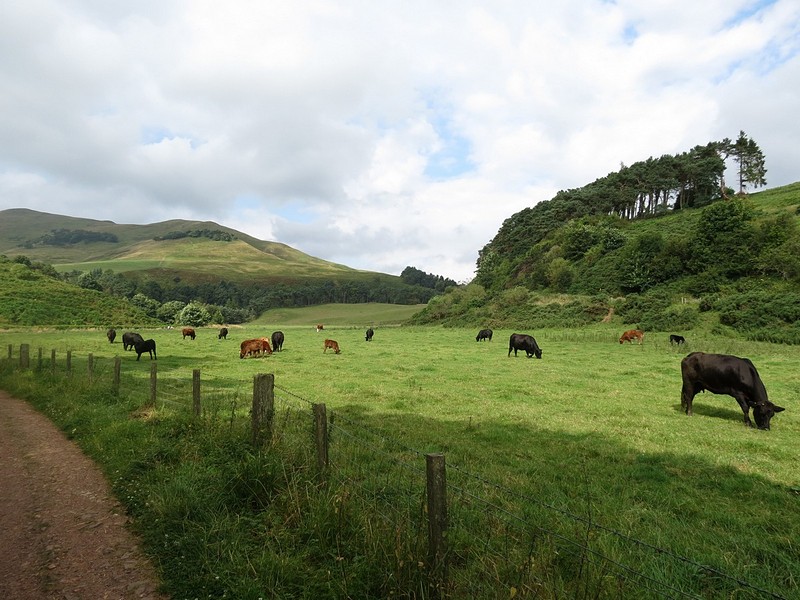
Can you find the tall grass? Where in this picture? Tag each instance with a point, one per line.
(553, 463)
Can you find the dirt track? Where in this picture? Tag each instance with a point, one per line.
(62, 534)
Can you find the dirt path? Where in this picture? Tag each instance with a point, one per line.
(62, 534)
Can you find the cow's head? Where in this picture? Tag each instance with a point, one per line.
(763, 412)
(537, 352)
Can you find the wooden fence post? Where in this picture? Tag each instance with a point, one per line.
(69, 362)
(24, 356)
(39, 360)
(321, 435)
(90, 367)
(196, 392)
(52, 362)
(153, 378)
(437, 524)
(263, 408)
(117, 367)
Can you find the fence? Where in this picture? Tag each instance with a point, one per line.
(470, 536)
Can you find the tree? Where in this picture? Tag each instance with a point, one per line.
(194, 314)
(750, 159)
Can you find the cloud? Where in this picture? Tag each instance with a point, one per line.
(374, 136)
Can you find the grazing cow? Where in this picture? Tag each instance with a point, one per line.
(677, 339)
(223, 334)
(484, 334)
(632, 334)
(332, 344)
(729, 375)
(277, 341)
(522, 341)
(320, 328)
(188, 332)
(111, 334)
(254, 347)
(148, 346)
(369, 334)
(129, 339)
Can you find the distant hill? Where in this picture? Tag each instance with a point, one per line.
(29, 297)
(176, 250)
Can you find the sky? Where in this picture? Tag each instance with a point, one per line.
(378, 134)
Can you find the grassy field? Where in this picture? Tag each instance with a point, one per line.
(592, 430)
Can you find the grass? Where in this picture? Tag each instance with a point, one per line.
(594, 430)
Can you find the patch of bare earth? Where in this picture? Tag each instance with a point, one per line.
(62, 534)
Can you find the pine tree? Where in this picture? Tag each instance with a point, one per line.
(750, 159)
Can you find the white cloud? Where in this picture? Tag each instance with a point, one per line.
(374, 135)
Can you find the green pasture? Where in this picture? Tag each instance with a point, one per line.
(594, 428)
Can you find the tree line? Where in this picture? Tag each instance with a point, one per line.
(645, 189)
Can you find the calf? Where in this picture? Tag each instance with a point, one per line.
(368, 335)
(522, 341)
(111, 334)
(223, 334)
(332, 344)
(277, 341)
(148, 346)
(320, 328)
(632, 334)
(188, 332)
(129, 339)
(677, 339)
(484, 334)
(729, 375)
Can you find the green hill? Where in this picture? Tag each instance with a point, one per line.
(729, 264)
(29, 297)
(190, 251)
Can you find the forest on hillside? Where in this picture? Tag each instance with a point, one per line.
(657, 244)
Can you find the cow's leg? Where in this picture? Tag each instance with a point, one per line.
(687, 396)
(742, 400)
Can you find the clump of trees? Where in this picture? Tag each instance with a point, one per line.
(212, 234)
(539, 246)
(66, 237)
(413, 276)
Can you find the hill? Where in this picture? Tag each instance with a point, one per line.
(731, 264)
(29, 297)
(190, 251)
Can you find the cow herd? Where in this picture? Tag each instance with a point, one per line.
(717, 373)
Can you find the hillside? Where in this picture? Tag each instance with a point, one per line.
(155, 251)
(732, 265)
(31, 298)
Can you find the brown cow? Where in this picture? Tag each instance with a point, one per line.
(633, 334)
(332, 344)
(254, 347)
(320, 328)
(188, 332)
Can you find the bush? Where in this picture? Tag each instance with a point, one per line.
(194, 314)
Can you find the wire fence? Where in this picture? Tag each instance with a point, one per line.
(500, 542)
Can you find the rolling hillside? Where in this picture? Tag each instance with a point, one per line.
(136, 249)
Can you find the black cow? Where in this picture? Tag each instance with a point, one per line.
(369, 334)
(223, 334)
(111, 334)
(129, 339)
(484, 334)
(729, 375)
(277, 341)
(677, 339)
(146, 346)
(522, 341)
